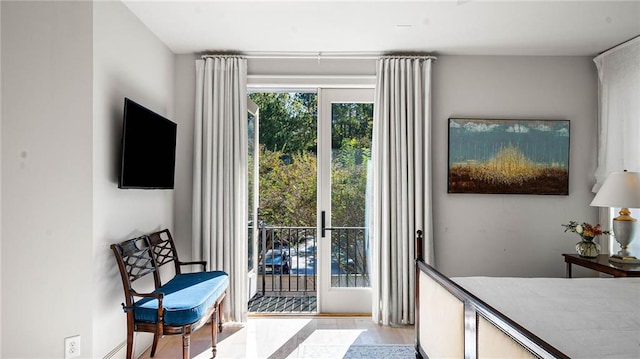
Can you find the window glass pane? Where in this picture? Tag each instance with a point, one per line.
(352, 125)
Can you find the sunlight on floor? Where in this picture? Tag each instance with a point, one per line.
(258, 338)
(286, 337)
(333, 336)
(332, 343)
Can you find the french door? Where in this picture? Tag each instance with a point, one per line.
(345, 120)
(313, 172)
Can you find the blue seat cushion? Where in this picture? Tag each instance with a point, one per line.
(186, 298)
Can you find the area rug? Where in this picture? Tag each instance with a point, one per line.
(395, 351)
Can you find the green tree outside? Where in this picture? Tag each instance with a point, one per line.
(287, 121)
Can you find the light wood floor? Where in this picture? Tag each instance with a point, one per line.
(283, 337)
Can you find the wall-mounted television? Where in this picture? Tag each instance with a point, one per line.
(148, 149)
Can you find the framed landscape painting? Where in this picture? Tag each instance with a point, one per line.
(508, 156)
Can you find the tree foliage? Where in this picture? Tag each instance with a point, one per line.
(351, 122)
(287, 121)
(288, 191)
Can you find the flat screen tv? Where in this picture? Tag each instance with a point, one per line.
(148, 149)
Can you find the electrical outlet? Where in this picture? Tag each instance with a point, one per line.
(72, 347)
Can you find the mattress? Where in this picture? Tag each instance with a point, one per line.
(582, 317)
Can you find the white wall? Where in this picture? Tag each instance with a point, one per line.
(47, 277)
(512, 235)
(66, 68)
(129, 61)
(185, 89)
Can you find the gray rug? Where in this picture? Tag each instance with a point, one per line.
(391, 351)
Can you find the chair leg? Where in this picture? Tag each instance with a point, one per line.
(219, 314)
(214, 334)
(129, 342)
(156, 337)
(186, 343)
(154, 346)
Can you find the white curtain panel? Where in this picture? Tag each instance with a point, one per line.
(401, 184)
(220, 174)
(619, 110)
(618, 121)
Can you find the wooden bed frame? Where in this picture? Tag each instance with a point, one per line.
(453, 323)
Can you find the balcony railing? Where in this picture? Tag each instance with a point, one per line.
(287, 259)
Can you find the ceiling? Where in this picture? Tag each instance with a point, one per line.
(453, 27)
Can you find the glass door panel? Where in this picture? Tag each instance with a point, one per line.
(351, 130)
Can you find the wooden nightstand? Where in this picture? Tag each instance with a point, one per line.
(601, 264)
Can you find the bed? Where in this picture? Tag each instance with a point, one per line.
(483, 317)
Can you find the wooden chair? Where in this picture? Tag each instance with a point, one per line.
(163, 311)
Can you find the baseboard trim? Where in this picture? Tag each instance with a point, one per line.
(115, 350)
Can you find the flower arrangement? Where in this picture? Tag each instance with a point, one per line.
(585, 230)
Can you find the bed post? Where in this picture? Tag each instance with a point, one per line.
(417, 293)
(419, 256)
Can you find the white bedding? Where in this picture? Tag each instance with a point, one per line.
(582, 317)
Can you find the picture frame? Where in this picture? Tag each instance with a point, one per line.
(508, 156)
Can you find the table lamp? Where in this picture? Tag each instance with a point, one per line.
(621, 190)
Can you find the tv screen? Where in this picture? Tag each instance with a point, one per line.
(148, 149)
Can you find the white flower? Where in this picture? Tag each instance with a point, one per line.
(579, 229)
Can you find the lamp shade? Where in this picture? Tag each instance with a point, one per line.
(619, 190)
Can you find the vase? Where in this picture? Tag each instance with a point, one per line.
(588, 248)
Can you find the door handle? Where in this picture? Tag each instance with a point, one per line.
(323, 224)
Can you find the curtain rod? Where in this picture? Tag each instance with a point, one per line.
(321, 55)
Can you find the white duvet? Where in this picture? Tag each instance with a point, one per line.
(581, 317)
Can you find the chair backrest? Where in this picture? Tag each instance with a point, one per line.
(164, 249)
(135, 261)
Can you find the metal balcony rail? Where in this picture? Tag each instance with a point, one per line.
(287, 259)
(349, 253)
